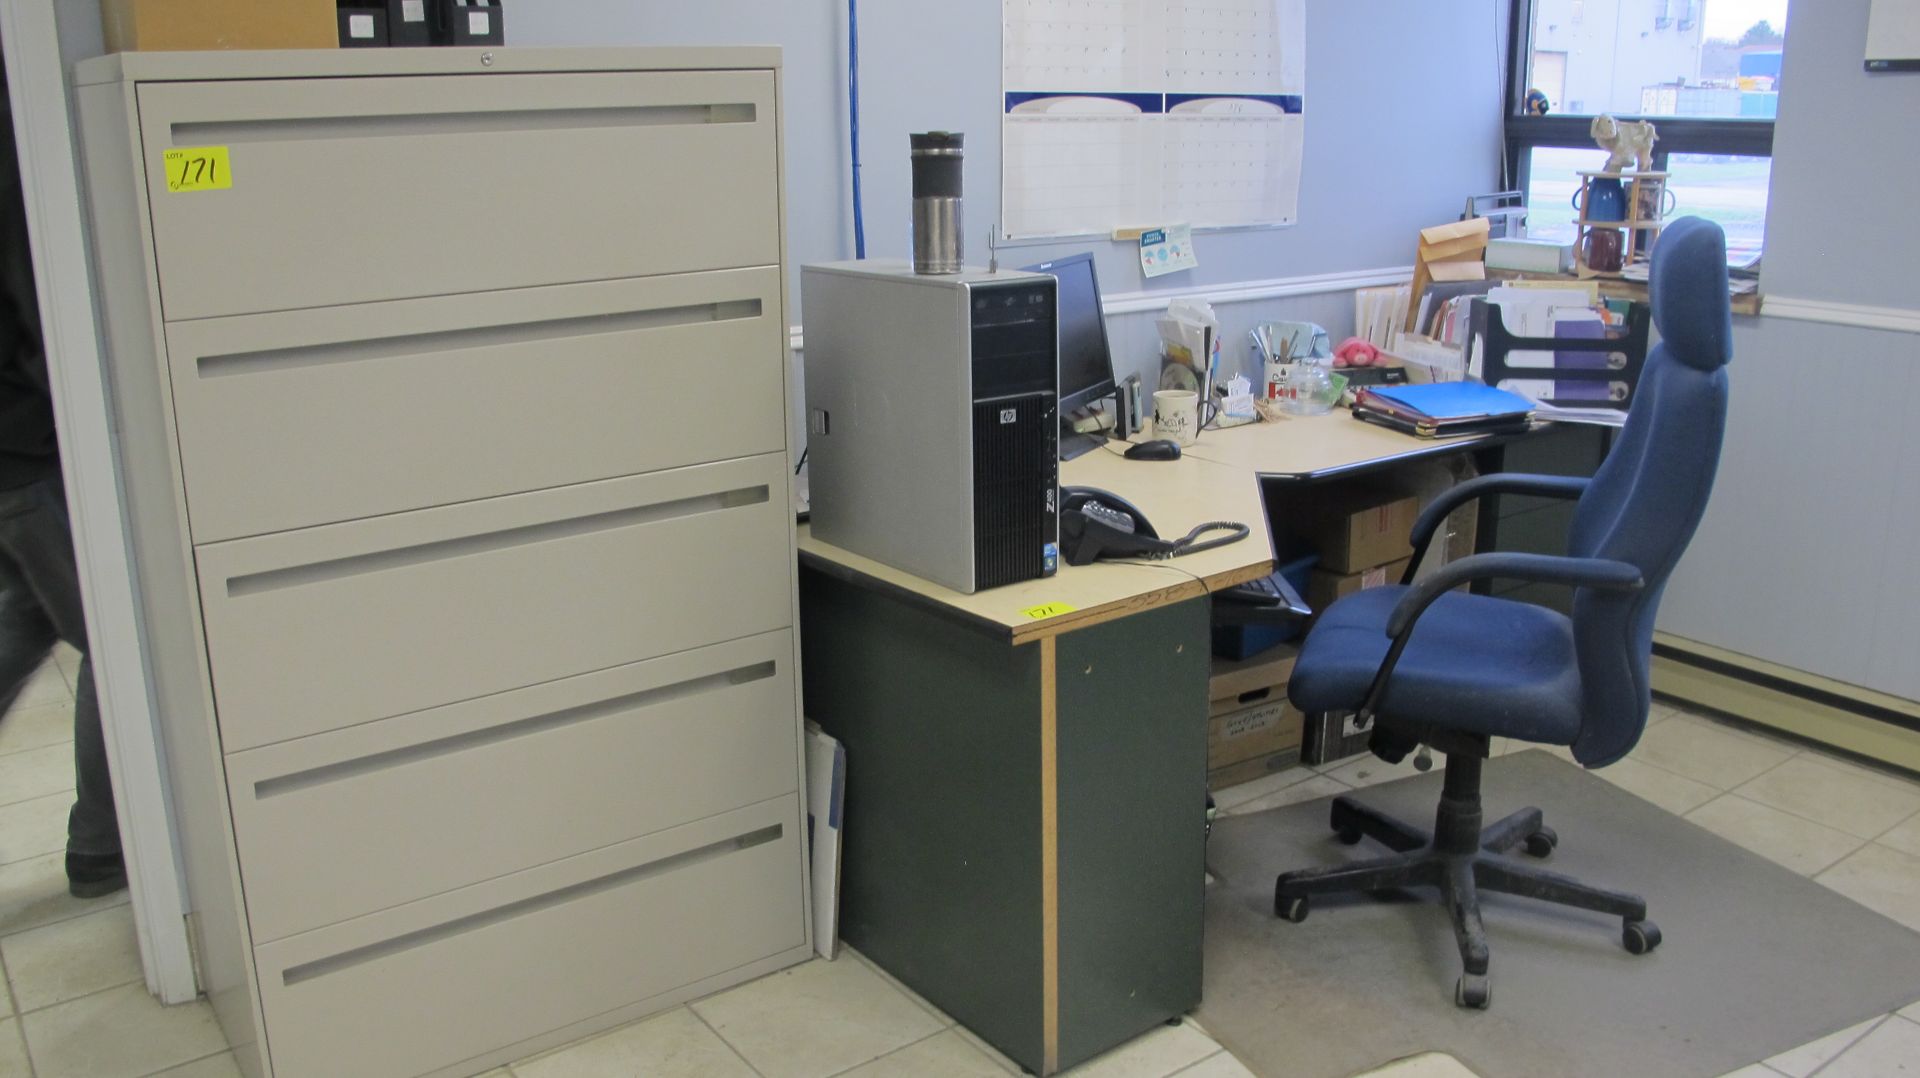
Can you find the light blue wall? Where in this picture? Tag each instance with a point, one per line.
(1403, 104)
(1402, 120)
(1843, 214)
(1805, 556)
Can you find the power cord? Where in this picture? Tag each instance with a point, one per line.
(1162, 564)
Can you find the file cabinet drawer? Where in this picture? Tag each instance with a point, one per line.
(308, 417)
(348, 190)
(398, 810)
(413, 989)
(329, 627)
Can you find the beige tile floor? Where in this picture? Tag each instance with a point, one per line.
(73, 1003)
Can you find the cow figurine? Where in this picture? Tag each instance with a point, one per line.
(1629, 141)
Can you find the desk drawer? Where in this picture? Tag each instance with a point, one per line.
(425, 986)
(308, 417)
(389, 812)
(360, 189)
(329, 627)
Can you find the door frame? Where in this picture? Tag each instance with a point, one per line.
(57, 229)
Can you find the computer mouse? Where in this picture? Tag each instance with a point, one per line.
(1158, 449)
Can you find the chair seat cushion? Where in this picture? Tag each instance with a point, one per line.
(1474, 663)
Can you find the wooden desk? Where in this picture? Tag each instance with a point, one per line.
(1621, 288)
(1175, 495)
(1008, 774)
(1321, 447)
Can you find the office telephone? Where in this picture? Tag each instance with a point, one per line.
(1097, 523)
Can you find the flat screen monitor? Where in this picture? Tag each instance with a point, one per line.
(1086, 368)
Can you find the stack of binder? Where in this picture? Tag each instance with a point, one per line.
(1444, 408)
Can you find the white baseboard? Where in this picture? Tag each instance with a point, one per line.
(1240, 292)
(1897, 319)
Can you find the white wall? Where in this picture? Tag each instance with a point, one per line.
(1804, 558)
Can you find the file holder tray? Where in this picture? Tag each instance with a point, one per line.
(1620, 355)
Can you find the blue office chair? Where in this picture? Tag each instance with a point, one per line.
(1437, 667)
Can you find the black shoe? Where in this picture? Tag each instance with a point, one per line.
(95, 875)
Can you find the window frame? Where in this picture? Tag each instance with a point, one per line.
(1678, 134)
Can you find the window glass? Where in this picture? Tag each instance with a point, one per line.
(1693, 58)
(1551, 183)
(1728, 190)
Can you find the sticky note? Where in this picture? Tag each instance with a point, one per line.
(198, 168)
(1047, 610)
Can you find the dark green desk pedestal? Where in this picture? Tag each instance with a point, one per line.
(1024, 838)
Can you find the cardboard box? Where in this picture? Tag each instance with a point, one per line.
(1324, 587)
(1251, 729)
(153, 25)
(1248, 770)
(1358, 529)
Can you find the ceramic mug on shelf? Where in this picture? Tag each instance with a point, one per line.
(1603, 250)
(1176, 415)
(1606, 200)
(1653, 202)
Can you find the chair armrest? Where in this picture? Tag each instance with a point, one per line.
(1538, 568)
(1424, 527)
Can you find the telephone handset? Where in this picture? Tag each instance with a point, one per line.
(1096, 523)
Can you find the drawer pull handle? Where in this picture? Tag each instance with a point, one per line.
(320, 967)
(415, 125)
(507, 731)
(487, 542)
(453, 340)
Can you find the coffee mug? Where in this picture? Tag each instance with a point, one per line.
(1606, 201)
(1176, 414)
(1603, 250)
(1653, 202)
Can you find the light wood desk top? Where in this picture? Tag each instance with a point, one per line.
(1306, 447)
(1621, 288)
(1174, 495)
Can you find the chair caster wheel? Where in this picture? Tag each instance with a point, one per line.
(1542, 842)
(1473, 990)
(1640, 936)
(1348, 836)
(1290, 909)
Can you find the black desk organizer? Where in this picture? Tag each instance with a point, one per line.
(1626, 350)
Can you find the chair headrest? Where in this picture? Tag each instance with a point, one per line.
(1688, 286)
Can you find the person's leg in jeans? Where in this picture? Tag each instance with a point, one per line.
(36, 538)
(25, 633)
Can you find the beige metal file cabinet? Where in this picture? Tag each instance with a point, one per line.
(450, 387)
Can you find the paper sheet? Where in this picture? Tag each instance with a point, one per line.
(1124, 113)
(1167, 250)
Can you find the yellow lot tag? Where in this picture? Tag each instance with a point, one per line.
(198, 168)
(1047, 610)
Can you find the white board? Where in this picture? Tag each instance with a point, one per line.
(1893, 36)
(1140, 113)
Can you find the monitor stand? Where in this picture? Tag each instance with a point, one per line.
(1074, 443)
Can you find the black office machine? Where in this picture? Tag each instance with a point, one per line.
(1086, 362)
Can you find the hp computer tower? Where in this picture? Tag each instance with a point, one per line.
(932, 419)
